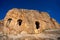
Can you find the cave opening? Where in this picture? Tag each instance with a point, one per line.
(19, 21)
(37, 24)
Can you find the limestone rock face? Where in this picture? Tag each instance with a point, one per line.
(28, 21)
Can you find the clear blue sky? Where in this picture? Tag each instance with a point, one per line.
(50, 6)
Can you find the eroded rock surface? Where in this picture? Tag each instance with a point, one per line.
(28, 24)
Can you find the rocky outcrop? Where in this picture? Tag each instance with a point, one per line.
(1, 25)
(30, 22)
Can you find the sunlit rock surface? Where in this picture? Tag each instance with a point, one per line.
(24, 24)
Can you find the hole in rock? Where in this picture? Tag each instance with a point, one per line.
(37, 24)
(19, 22)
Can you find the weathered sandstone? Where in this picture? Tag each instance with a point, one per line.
(30, 22)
